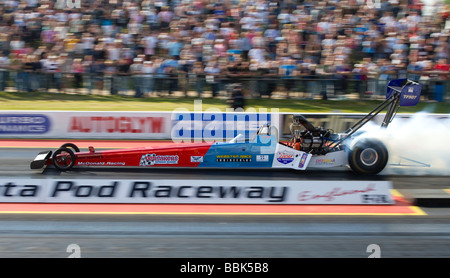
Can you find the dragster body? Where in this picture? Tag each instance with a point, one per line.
(309, 147)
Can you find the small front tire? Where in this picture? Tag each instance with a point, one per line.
(63, 159)
(71, 146)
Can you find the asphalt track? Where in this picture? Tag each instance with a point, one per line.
(221, 231)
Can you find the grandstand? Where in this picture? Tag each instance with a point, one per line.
(310, 49)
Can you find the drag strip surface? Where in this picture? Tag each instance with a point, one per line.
(191, 235)
(223, 237)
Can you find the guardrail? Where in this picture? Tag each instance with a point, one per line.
(436, 86)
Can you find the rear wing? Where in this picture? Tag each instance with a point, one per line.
(408, 91)
(399, 92)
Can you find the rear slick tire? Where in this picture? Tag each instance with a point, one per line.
(368, 157)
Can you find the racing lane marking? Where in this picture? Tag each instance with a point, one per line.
(401, 207)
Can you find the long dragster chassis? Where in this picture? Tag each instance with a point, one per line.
(309, 146)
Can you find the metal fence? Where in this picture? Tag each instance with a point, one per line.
(186, 84)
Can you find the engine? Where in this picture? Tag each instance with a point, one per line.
(307, 138)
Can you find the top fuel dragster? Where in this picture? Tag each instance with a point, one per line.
(309, 146)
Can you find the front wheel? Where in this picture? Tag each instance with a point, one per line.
(63, 159)
(368, 157)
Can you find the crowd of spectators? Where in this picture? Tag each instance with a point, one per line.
(151, 43)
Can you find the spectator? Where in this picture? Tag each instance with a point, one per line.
(441, 71)
(237, 99)
(170, 70)
(197, 77)
(52, 71)
(150, 42)
(258, 54)
(369, 46)
(414, 68)
(244, 45)
(17, 45)
(220, 48)
(122, 76)
(148, 71)
(342, 74)
(65, 73)
(35, 75)
(325, 32)
(272, 76)
(288, 72)
(113, 50)
(87, 43)
(212, 72)
(89, 72)
(136, 71)
(109, 77)
(360, 74)
(25, 73)
(308, 71)
(175, 46)
(78, 70)
(326, 70)
(4, 70)
(386, 71)
(164, 17)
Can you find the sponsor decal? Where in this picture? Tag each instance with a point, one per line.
(129, 191)
(88, 163)
(303, 160)
(375, 199)
(24, 124)
(264, 193)
(115, 163)
(326, 161)
(152, 159)
(234, 158)
(81, 163)
(110, 124)
(78, 190)
(193, 191)
(331, 195)
(410, 95)
(262, 158)
(196, 158)
(285, 157)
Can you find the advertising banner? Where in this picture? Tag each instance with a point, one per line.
(85, 125)
(24, 124)
(178, 126)
(194, 191)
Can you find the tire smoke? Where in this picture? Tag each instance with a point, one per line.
(419, 145)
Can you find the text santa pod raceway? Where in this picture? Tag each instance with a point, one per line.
(194, 191)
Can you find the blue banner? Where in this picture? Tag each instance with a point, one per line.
(24, 124)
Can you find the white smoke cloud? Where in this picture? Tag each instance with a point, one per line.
(419, 145)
